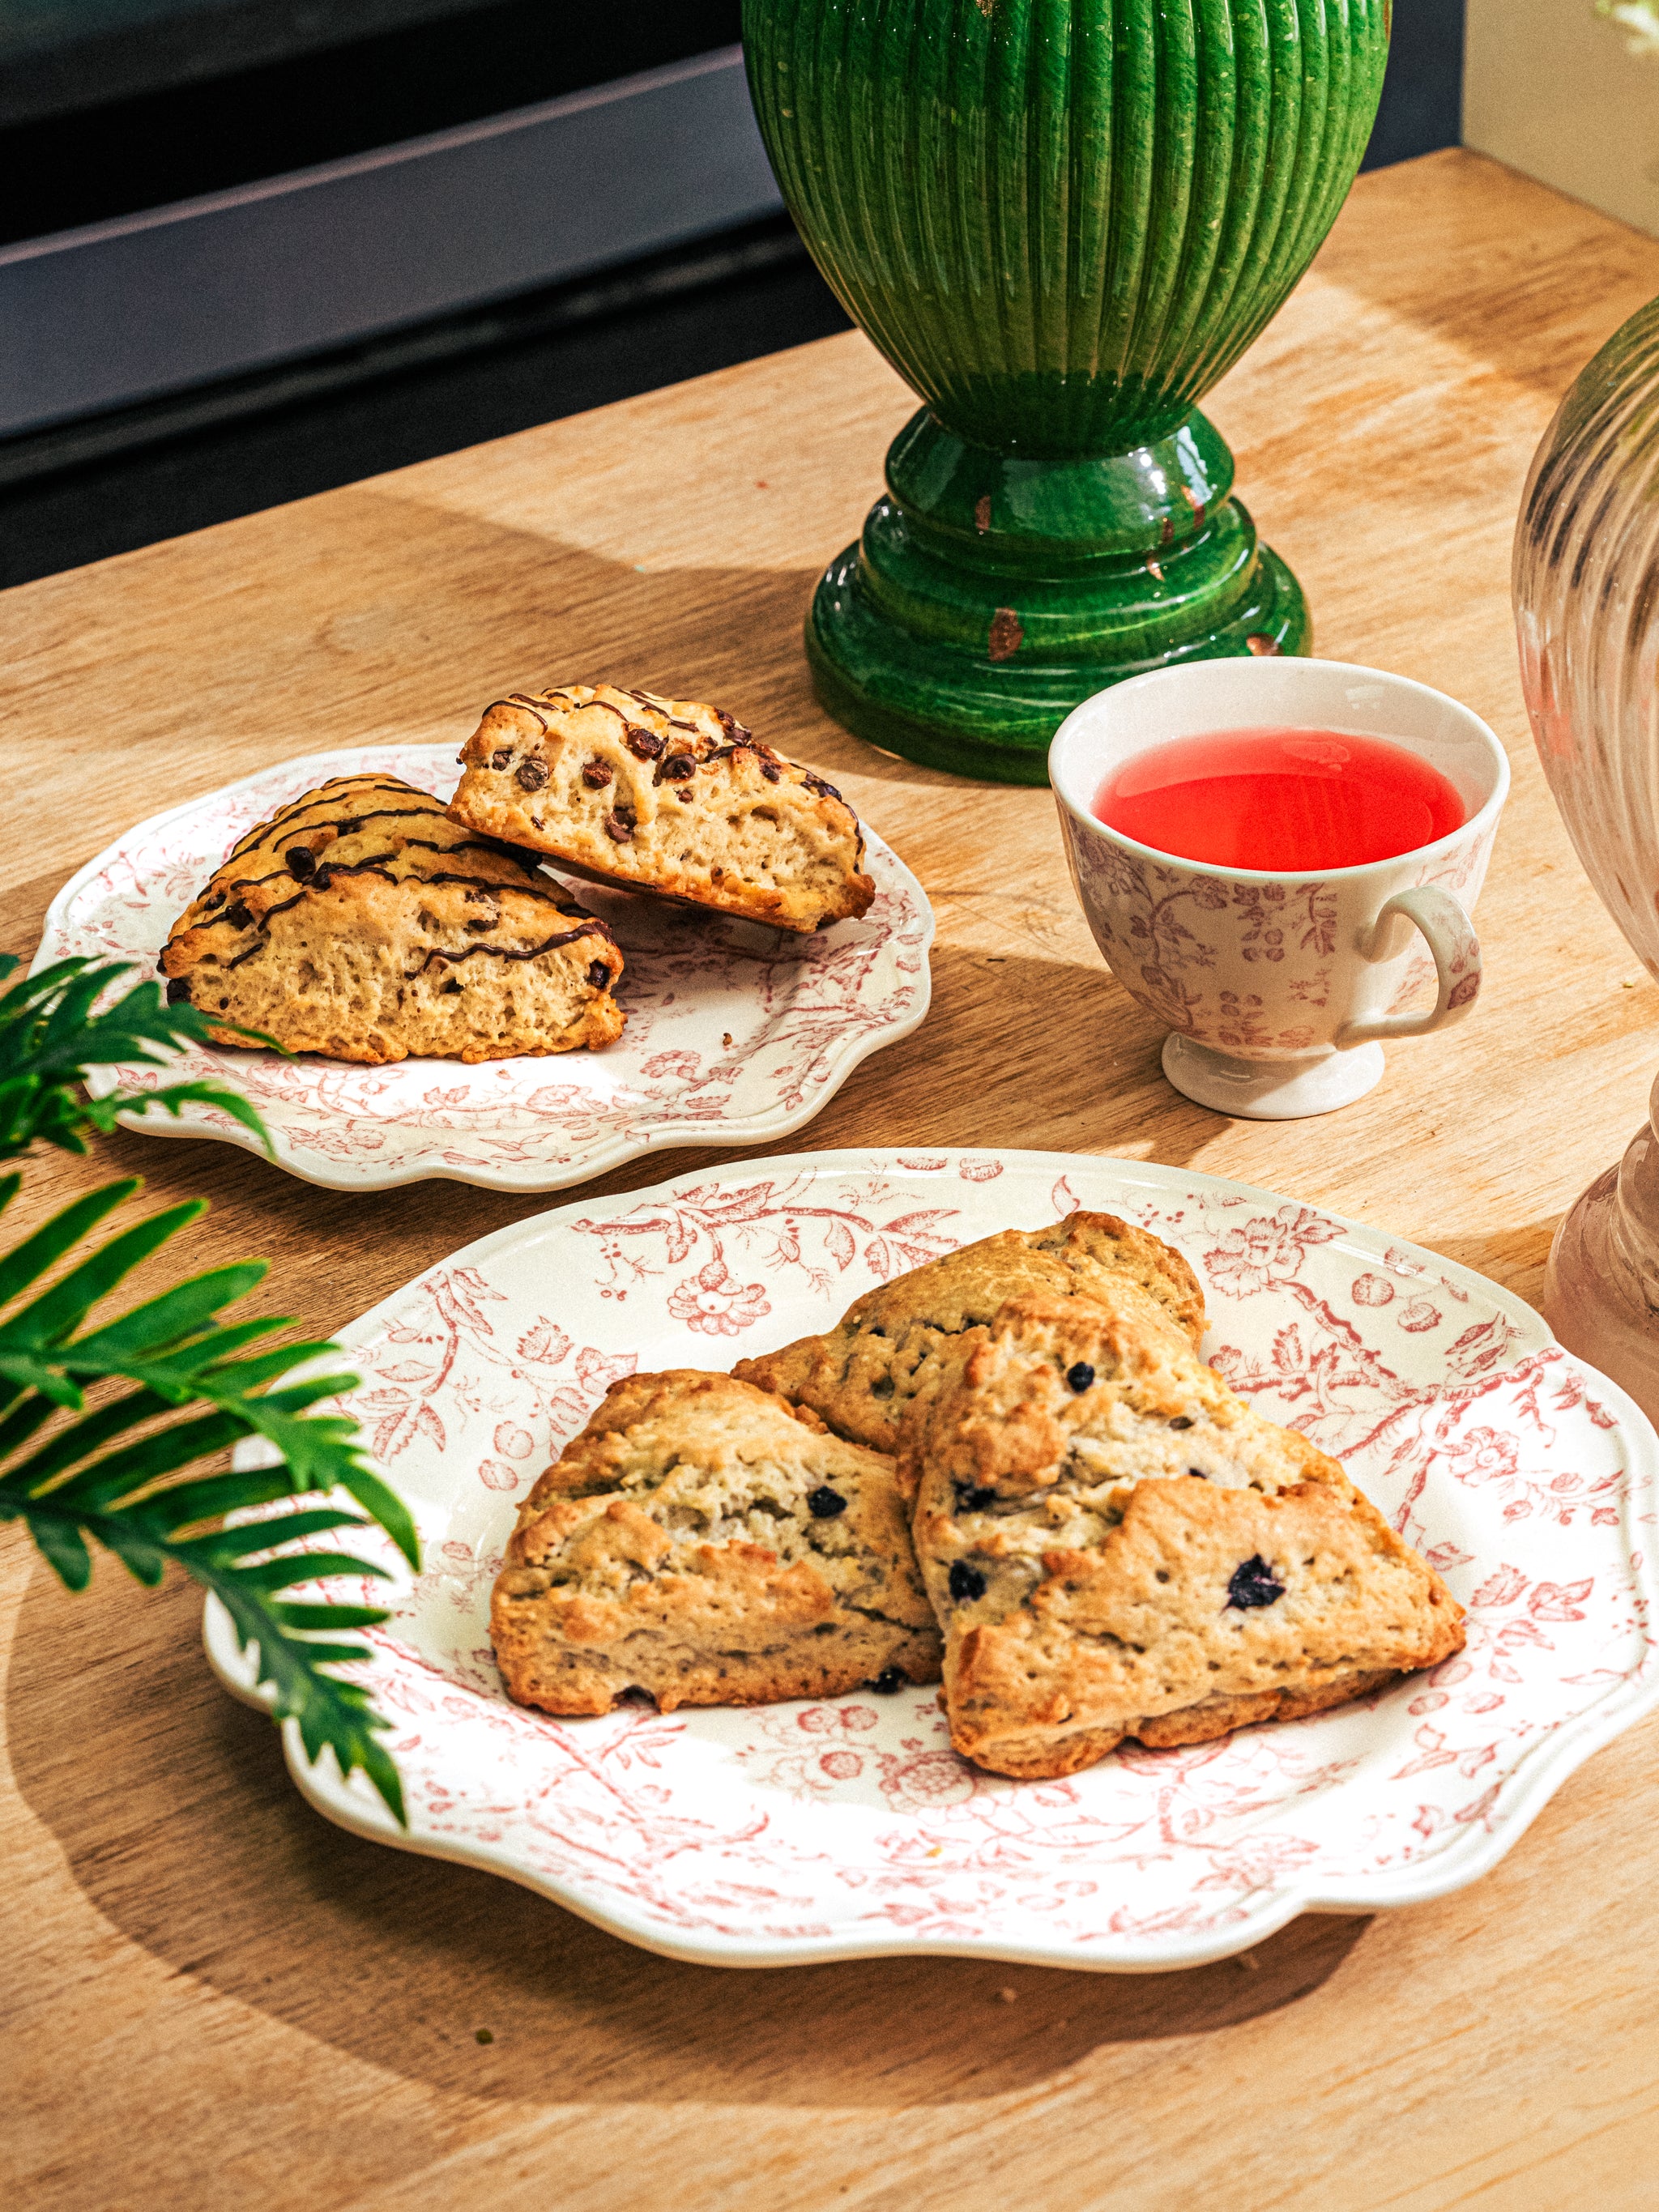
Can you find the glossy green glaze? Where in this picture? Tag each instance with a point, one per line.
(1061, 221)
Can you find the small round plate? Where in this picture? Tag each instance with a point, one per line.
(847, 1828)
(737, 1033)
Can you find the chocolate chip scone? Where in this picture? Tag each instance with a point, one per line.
(666, 796)
(1118, 1545)
(705, 1542)
(362, 923)
(862, 1375)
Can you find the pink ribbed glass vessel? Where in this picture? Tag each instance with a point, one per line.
(1586, 618)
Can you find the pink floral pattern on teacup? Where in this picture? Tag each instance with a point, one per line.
(1261, 968)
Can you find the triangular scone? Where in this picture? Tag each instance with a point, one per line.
(1117, 1544)
(862, 1375)
(663, 795)
(704, 1542)
(362, 923)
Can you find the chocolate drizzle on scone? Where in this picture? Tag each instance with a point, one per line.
(666, 796)
(338, 927)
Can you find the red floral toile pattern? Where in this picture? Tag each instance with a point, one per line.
(735, 1033)
(833, 1829)
(1223, 961)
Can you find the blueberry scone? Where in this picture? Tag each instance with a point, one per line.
(862, 1375)
(704, 1542)
(1118, 1545)
(362, 923)
(660, 795)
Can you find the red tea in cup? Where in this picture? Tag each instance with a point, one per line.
(1284, 801)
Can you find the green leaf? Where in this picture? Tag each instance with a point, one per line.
(145, 1560)
(116, 1474)
(294, 1614)
(64, 1547)
(265, 1368)
(67, 1445)
(385, 1506)
(53, 1031)
(24, 1420)
(330, 1712)
(182, 1504)
(52, 1315)
(119, 1474)
(247, 1540)
(26, 1263)
(24, 1371)
(282, 1573)
(172, 1099)
(164, 1322)
(216, 1345)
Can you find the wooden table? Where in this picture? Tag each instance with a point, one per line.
(215, 2000)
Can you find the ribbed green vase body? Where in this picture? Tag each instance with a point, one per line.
(1061, 221)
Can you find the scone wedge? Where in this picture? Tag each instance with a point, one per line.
(888, 1348)
(1118, 1545)
(361, 923)
(667, 796)
(704, 1542)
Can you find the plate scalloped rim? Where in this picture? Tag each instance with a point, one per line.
(1539, 1771)
(765, 1127)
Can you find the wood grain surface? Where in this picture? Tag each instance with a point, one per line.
(211, 1998)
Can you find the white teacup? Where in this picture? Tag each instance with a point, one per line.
(1278, 989)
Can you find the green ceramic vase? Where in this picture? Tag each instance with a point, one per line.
(1061, 221)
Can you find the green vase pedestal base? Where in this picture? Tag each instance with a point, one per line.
(990, 594)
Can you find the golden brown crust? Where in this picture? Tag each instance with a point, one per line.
(887, 1349)
(706, 1543)
(1093, 1588)
(667, 796)
(361, 922)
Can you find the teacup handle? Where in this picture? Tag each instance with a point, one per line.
(1451, 938)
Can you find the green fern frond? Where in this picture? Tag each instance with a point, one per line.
(85, 1463)
(51, 1032)
(113, 1473)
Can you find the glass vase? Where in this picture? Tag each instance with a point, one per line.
(1587, 619)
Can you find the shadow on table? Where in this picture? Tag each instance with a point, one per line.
(1490, 247)
(170, 1803)
(173, 1810)
(416, 613)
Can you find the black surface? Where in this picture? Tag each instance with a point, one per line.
(1422, 107)
(115, 158)
(58, 56)
(106, 486)
(530, 369)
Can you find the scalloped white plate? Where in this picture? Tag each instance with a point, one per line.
(780, 1835)
(736, 1034)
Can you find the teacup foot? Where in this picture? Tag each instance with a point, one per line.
(1270, 1090)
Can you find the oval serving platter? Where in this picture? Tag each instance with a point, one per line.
(736, 1034)
(786, 1834)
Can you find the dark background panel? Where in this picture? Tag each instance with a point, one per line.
(57, 57)
(582, 347)
(1422, 107)
(79, 493)
(115, 157)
